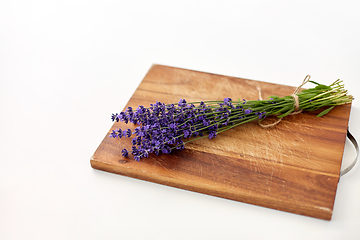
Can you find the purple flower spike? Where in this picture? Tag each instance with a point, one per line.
(128, 132)
(182, 103)
(119, 131)
(125, 153)
(227, 100)
(248, 111)
(114, 117)
(113, 134)
(212, 135)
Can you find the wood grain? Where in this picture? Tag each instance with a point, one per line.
(292, 167)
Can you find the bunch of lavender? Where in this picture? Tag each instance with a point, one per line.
(164, 127)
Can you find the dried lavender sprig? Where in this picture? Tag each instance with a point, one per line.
(164, 127)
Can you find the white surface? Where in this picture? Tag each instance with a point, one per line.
(65, 66)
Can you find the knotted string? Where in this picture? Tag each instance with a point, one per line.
(296, 103)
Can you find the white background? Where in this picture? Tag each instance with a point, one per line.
(65, 66)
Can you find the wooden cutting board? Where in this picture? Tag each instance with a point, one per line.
(292, 167)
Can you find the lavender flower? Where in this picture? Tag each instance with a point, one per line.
(116, 133)
(248, 111)
(125, 153)
(165, 127)
(113, 134)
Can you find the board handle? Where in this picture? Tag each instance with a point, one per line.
(353, 141)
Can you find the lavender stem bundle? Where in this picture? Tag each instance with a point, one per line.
(164, 127)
